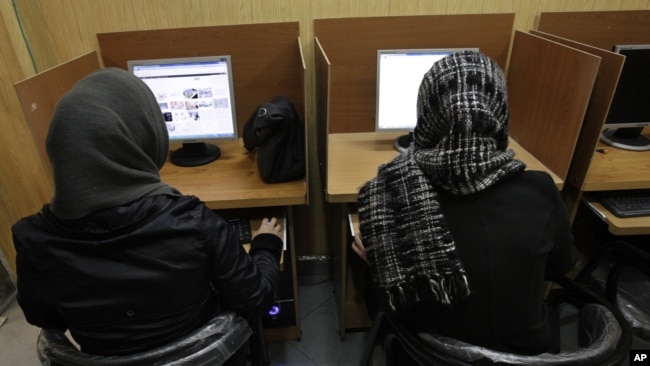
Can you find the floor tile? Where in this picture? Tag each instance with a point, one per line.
(17, 339)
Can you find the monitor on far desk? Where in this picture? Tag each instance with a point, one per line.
(196, 97)
(399, 74)
(629, 112)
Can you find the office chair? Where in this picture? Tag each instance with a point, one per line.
(622, 272)
(213, 344)
(604, 338)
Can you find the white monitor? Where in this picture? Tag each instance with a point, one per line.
(629, 111)
(399, 74)
(196, 97)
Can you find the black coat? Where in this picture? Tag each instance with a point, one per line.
(127, 279)
(510, 237)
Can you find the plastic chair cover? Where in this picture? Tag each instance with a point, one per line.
(600, 332)
(632, 297)
(212, 344)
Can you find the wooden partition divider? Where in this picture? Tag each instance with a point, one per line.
(40, 93)
(549, 86)
(351, 46)
(322, 95)
(267, 59)
(597, 32)
(609, 71)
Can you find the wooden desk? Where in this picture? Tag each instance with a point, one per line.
(233, 181)
(352, 160)
(233, 186)
(618, 169)
(614, 169)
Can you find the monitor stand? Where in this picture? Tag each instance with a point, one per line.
(195, 154)
(403, 142)
(626, 138)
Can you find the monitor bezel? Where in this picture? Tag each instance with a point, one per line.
(608, 124)
(231, 86)
(380, 52)
(627, 134)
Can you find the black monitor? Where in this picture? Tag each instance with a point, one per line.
(399, 74)
(196, 97)
(629, 112)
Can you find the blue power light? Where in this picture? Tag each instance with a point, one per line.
(275, 310)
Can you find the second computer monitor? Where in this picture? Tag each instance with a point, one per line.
(399, 74)
(629, 112)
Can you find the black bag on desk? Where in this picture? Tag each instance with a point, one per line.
(276, 131)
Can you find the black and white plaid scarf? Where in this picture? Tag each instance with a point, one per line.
(461, 143)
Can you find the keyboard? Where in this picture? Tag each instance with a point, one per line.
(242, 228)
(626, 203)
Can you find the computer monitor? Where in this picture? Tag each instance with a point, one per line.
(196, 97)
(629, 112)
(399, 74)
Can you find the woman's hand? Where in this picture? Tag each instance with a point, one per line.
(357, 246)
(269, 226)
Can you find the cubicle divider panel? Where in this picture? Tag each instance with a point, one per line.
(322, 107)
(610, 68)
(602, 29)
(549, 86)
(267, 59)
(40, 93)
(351, 46)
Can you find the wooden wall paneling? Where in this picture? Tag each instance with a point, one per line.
(266, 61)
(609, 71)
(40, 93)
(24, 186)
(602, 29)
(351, 45)
(549, 86)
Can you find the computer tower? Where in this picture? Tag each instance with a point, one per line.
(283, 311)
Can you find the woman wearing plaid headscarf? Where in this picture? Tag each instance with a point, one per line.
(459, 236)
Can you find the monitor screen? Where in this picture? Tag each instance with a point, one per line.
(629, 111)
(196, 97)
(399, 74)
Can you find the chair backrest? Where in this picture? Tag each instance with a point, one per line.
(622, 272)
(212, 344)
(599, 325)
(604, 337)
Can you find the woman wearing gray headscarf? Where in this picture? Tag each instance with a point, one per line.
(459, 236)
(123, 261)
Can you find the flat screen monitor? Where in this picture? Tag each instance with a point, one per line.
(399, 74)
(196, 97)
(629, 112)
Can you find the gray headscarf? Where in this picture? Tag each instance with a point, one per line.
(106, 142)
(461, 141)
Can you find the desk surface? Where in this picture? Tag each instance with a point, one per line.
(616, 168)
(233, 181)
(353, 159)
(612, 168)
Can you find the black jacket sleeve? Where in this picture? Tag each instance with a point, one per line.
(29, 284)
(246, 283)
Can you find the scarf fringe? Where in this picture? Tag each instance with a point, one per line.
(444, 290)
